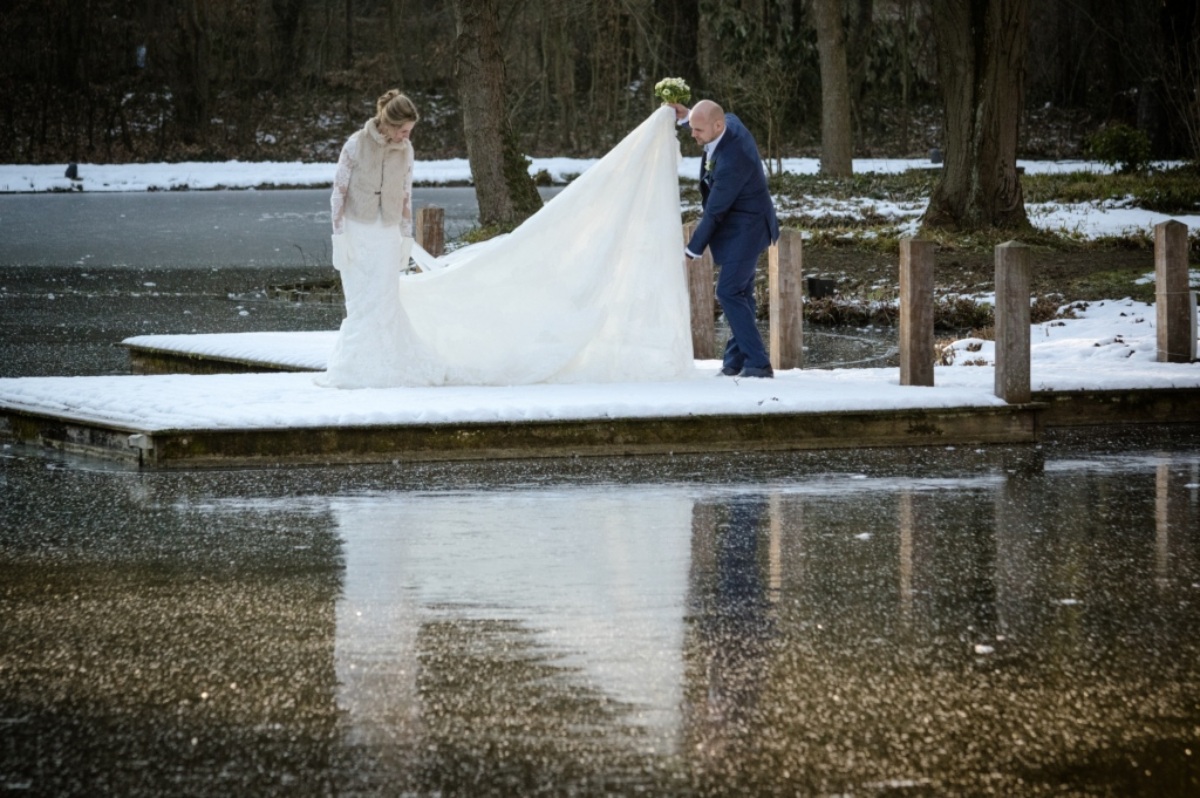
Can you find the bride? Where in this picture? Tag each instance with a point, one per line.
(589, 289)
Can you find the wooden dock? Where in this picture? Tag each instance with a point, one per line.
(114, 427)
(209, 448)
(320, 445)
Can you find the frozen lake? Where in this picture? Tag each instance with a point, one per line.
(939, 621)
(811, 623)
(188, 229)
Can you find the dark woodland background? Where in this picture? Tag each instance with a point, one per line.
(147, 80)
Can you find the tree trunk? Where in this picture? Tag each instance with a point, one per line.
(348, 55)
(676, 24)
(906, 61)
(981, 46)
(859, 36)
(507, 194)
(837, 150)
(1179, 84)
(285, 29)
(559, 82)
(191, 73)
(708, 52)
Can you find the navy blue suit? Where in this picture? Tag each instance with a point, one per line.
(738, 224)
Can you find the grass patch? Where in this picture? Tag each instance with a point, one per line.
(986, 241)
(1174, 190)
(1115, 284)
(913, 185)
(476, 235)
(885, 240)
(950, 314)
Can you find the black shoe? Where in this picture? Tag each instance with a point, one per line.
(751, 371)
(728, 372)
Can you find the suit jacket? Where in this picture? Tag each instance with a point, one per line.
(739, 217)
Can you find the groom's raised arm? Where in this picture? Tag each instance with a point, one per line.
(682, 112)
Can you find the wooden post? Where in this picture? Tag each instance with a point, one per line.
(1172, 298)
(1012, 323)
(702, 294)
(431, 230)
(1194, 303)
(916, 312)
(785, 283)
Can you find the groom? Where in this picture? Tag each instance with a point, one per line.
(738, 224)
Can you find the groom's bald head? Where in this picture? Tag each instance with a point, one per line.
(707, 121)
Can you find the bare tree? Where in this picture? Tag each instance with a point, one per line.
(506, 193)
(837, 150)
(120, 80)
(348, 55)
(191, 71)
(751, 62)
(981, 47)
(1179, 65)
(283, 27)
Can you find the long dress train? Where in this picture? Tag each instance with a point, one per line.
(590, 289)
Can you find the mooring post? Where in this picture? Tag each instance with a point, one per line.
(1012, 323)
(703, 298)
(1194, 302)
(1173, 301)
(916, 312)
(785, 281)
(431, 230)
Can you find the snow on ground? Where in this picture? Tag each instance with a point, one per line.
(1110, 345)
(198, 175)
(273, 401)
(1084, 220)
(1114, 339)
(1101, 219)
(1095, 335)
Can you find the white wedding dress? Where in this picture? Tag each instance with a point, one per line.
(590, 289)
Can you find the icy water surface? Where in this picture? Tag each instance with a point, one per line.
(1010, 621)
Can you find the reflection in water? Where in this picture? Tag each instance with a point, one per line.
(480, 622)
(976, 634)
(949, 624)
(728, 610)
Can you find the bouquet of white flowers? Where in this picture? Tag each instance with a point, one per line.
(673, 90)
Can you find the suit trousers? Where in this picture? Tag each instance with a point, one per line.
(735, 292)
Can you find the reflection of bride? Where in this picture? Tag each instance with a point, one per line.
(589, 289)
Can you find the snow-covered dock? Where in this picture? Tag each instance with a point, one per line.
(277, 417)
(1097, 368)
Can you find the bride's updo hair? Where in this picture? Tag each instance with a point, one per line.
(396, 109)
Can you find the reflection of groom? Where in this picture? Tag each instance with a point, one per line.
(738, 224)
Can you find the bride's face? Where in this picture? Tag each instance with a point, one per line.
(396, 133)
